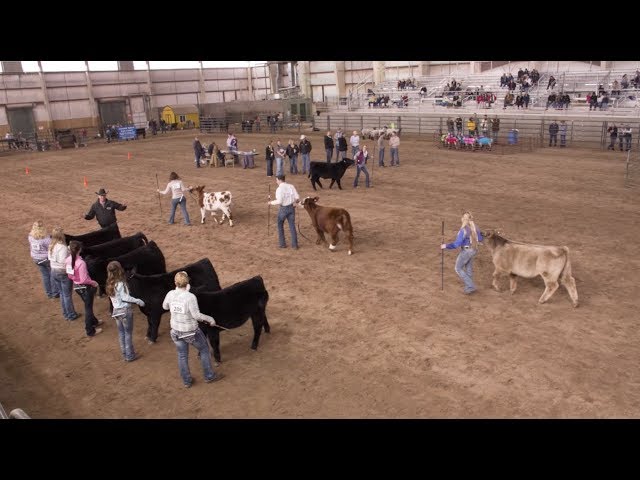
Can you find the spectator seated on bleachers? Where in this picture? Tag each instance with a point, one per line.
(624, 83)
(551, 99)
(508, 100)
(615, 88)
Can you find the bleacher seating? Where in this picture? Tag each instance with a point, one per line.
(576, 84)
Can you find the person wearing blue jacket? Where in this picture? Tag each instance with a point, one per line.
(467, 240)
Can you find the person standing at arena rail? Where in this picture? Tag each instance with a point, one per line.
(185, 314)
(563, 133)
(338, 135)
(613, 135)
(287, 197)
(178, 197)
(104, 210)
(355, 143)
(495, 129)
(328, 146)
(270, 156)
(39, 243)
(118, 292)
(292, 153)
(58, 252)
(84, 286)
(305, 151)
(467, 240)
(553, 133)
(197, 151)
(626, 134)
(381, 150)
(280, 152)
(394, 143)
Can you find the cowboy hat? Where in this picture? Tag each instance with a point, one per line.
(101, 192)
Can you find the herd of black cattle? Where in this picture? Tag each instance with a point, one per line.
(149, 280)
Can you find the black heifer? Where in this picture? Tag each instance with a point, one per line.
(147, 260)
(97, 237)
(97, 255)
(334, 171)
(114, 248)
(231, 307)
(153, 288)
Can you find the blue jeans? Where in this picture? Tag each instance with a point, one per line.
(464, 268)
(289, 213)
(329, 154)
(50, 287)
(65, 287)
(199, 341)
(293, 161)
(90, 321)
(125, 334)
(381, 157)
(279, 166)
(306, 162)
(362, 168)
(354, 150)
(197, 160)
(338, 153)
(183, 207)
(395, 158)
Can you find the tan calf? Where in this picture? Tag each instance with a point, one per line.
(526, 260)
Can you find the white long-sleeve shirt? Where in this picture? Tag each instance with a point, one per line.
(184, 309)
(286, 194)
(177, 189)
(57, 256)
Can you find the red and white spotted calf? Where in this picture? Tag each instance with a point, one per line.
(212, 202)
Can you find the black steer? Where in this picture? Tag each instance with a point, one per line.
(96, 237)
(153, 288)
(114, 248)
(147, 260)
(231, 307)
(334, 171)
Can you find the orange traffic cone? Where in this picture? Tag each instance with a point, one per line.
(128, 155)
(26, 170)
(85, 182)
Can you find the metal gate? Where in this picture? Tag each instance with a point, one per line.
(112, 113)
(21, 120)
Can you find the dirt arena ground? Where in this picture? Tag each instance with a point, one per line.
(364, 336)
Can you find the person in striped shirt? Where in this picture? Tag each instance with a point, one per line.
(185, 315)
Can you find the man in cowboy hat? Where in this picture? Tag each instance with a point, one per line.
(104, 210)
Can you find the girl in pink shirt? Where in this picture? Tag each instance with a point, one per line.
(84, 286)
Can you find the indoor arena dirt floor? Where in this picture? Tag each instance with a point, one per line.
(372, 335)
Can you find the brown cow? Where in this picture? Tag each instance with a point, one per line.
(518, 259)
(329, 220)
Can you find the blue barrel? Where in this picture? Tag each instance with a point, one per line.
(513, 137)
